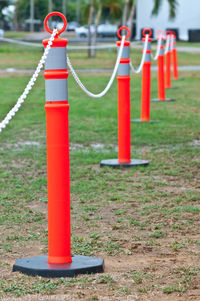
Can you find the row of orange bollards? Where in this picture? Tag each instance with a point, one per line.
(60, 262)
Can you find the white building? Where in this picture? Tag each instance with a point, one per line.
(187, 17)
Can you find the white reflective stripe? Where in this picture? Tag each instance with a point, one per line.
(56, 58)
(56, 89)
(124, 69)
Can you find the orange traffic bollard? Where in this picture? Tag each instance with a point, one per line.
(124, 111)
(168, 60)
(57, 128)
(59, 262)
(174, 56)
(146, 78)
(161, 72)
(124, 114)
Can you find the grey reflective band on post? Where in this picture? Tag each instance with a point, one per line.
(124, 67)
(125, 52)
(56, 89)
(173, 42)
(148, 45)
(161, 50)
(147, 57)
(147, 54)
(56, 58)
(170, 43)
(56, 74)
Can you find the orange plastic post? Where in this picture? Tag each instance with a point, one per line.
(124, 115)
(174, 56)
(161, 78)
(168, 61)
(146, 79)
(57, 108)
(161, 74)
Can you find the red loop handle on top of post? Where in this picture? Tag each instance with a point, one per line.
(120, 29)
(55, 14)
(160, 32)
(173, 33)
(144, 32)
(168, 32)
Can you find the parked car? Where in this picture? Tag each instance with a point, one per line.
(103, 30)
(107, 30)
(71, 26)
(57, 25)
(82, 32)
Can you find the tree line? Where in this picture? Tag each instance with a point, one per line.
(82, 11)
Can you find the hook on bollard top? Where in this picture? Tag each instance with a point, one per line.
(144, 32)
(160, 33)
(120, 29)
(55, 14)
(173, 33)
(168, 32)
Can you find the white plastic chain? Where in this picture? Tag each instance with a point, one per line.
(29, 86)
(143, 57)
(158, 48)
(111, 78)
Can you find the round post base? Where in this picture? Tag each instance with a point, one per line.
(139, 120)
(115, 163)
(38, 266)
(163, 100)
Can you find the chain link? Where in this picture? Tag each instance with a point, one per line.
(111, 78)
(143, 57)
(29, 86)
(158, 48)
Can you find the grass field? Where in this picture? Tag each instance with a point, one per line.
(145, 222)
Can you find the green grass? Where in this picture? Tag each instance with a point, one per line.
(143, 221)
(16, 34)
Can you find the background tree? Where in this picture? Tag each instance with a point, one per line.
(172, 7)
(41, 9)
(113, 8)
(130, 5)
(3, 4)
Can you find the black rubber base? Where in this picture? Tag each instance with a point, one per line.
(38, 266)
(166, 99)
(139, 120)
(115, 164)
